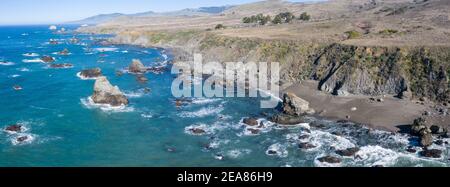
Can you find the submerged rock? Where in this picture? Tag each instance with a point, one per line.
(137, 67)
(431, 153)
(254, 131)
(47, 59)
(14, 128)
(306, 146)
(64, 52)
(141, 78)
(91, 73)
(294, 105)
(251, 121)
(22, 138)
(348, 152)
(411, 150)
(330, 159)
(197, 131)
(105, 93)
(284, 119)
(58, 66)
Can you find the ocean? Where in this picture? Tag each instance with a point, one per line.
(64, 129)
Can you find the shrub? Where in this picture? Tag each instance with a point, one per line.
(285, 17)
(219, 26)
(265, 20)
(353, 34)
(304, 16)
(277, 20)
(388, 31)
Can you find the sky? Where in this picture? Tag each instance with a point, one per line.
(16, 12)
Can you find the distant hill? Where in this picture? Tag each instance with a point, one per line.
(94, 20)
(202, 11)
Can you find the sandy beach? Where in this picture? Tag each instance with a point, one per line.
(391, 114)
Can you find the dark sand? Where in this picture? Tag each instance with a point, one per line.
(391, 115)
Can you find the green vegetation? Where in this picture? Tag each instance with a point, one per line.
(388, 31)
(285, 17)
(260, 19)
(219, 26)
(304, 16)
(353, 34)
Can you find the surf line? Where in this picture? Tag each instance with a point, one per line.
(189, 177)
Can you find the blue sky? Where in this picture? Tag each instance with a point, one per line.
(56, 11)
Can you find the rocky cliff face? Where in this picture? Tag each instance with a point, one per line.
(341, 69)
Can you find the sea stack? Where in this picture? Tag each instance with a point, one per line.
(137, 67)
(105, 93)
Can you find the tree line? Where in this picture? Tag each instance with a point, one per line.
(285, 17)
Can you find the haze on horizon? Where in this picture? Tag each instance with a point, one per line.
(21, 12)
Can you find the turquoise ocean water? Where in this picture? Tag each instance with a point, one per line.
(64, 129)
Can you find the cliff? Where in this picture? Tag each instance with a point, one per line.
(340, 68)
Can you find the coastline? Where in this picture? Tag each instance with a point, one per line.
(392, 115)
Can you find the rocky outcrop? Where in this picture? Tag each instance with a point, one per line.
(91, 73)
(61, 66)
(105, 93)
(431, 153)
(330, 159)
(284, 119)
(306, 146)
(294, 105)
(64, 52)
(419, 128)
(251, 121)
(137, 67)
(14, 128)
(348, 152)
(438, 130)
(47, 59)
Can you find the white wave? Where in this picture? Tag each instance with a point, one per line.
(203, 112)
(205, 100)
(266, 93)
(14, 76)
(30, 138)
(278, 150)
(125, 51)
(135, 94)
(148, 115)
(7, 63)
(300, 125)
(106, 49)
(324, 164)
(23, 129)
(266, 127)
(36, 60)
(24, 34)
(237, 153)
(30, 54)
(89, 104)
(24, 69)
(326, 139)
(85, 78)
(204, 127)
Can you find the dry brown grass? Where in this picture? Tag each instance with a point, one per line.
(417, 23)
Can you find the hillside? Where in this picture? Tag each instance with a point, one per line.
(369, 47)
